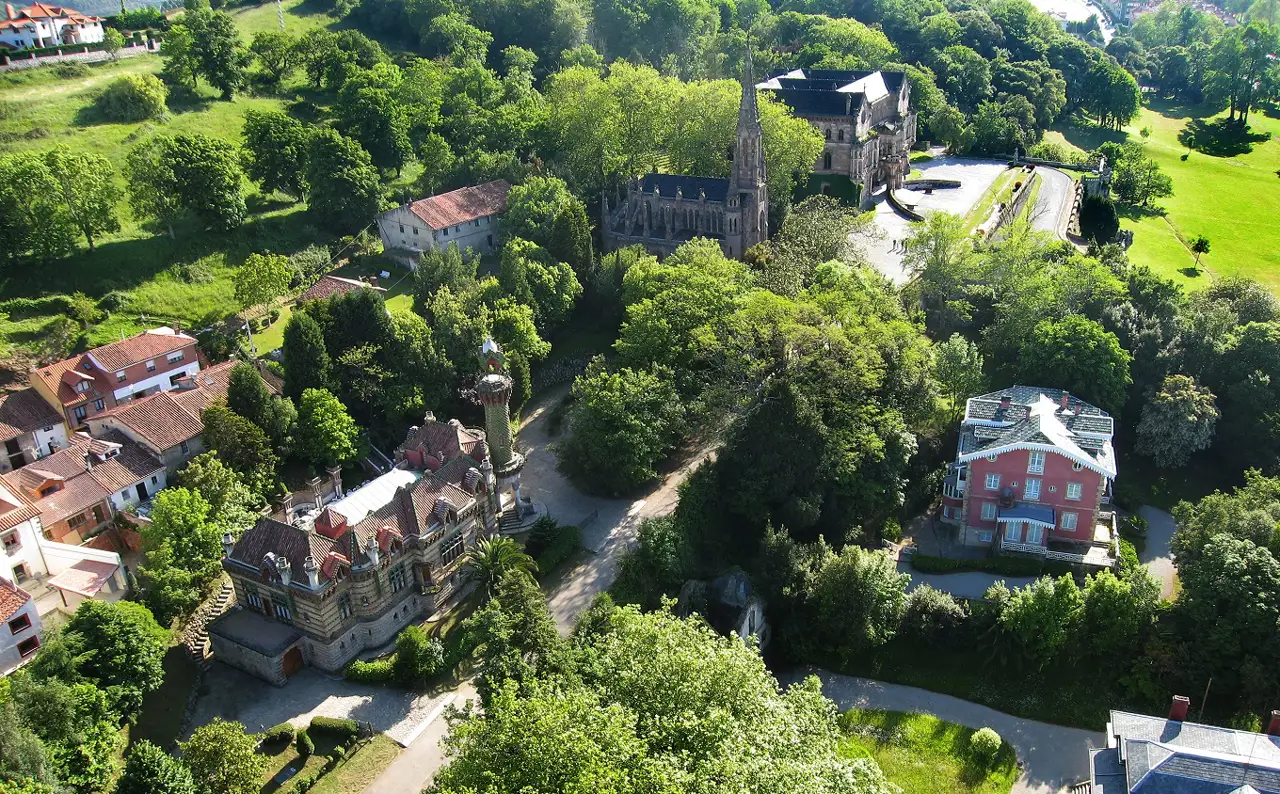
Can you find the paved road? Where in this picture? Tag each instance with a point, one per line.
(1157, 556)
(1053, 757)
(413, 769)
(1053, 202)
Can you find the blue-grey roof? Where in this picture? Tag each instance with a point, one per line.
(667, 184)
(1028, 512)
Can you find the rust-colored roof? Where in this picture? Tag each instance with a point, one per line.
(85, 578)
(328, 286)
(12, 598)
(462, 205)
(146, 345)
(24, 412)
(51, 376)
(159, 419)
(15, 508)
(112, 358)
(131, 465)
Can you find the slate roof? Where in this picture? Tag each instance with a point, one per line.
(25, 411)
(717, 190)
(12, 598)
(328, 286)
(832, 92)
(1021, 415)
(462, 205)
(1151, 755)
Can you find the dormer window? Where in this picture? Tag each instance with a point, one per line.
(53, 487)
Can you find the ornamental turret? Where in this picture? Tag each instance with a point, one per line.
(494, 392)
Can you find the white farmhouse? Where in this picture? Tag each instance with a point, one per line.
(43, 25)
(467, 217)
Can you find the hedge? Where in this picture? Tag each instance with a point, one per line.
(1007, 566)
(45, 305)
(379, 671)
(277, 734)
(348, 729)
(561, 547)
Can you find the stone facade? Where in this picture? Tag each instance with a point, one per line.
(663, 211)
(865, 119)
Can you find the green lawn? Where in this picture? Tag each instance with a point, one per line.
(282, 756)
(998, 191)
(354, 775)
(1232, 200)
(300, 16)
(923, 754)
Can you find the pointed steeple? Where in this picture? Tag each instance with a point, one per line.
(748, 155)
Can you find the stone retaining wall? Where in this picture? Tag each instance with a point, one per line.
(10, 63)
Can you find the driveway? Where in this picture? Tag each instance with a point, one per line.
(613, 523)
(1156, 555)
(1053, 757)
(414, 768)
(1053, 203)
(962, 584)
(234, 695)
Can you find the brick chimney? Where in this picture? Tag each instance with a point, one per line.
(1273, 727)
(1065, 402)
(1006, 400)
(1178, 708)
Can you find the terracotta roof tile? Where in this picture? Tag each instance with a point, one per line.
(12, 598)
(462, 205)
(15, 508)
(160, 419)
(328, 286)
(144, 346)
(23, 412)
(132, 464)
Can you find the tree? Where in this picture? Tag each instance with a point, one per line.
(133, 97)
(262, 278)
(191, 173)
(939, 252)
(533, 207)
(87, 188)
(306, 361)
(123, 647)
(232, 506)
(1041, 618)
(1080, 356)
(248, 396)
(181, 520)
(1177, 421)
(514, 636)
(327, 435)
(1138, 179)
(528, 275)
(277, 53)
(23, 757)
(858, 601)
(817, 230)
(491, 559)
(570, 240)
(112, 42)
(1247, 513)
(215, 43)
(373, 117)
(181, 66)
(343, 191)
(275, 148)
(957, 365)
(621, 424)
(1248, 395)
(447, 267)
(1199, 246)
(1098, 219)
(242, 445)
(223, 759)
(33, 223)
(418, 657)
(150, 770)
(1118, 614)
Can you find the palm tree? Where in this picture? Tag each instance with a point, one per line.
(493, 558)
(1199, 245)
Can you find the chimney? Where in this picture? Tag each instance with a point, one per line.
(313, 572)
(371, 550)
(429, 418)
(335, 475)
(88, 462)
(8, 11)
(1006, 400)
(283, 568)
(1178, 708)
(228, 543)
(1273, 727)
(1065, 401)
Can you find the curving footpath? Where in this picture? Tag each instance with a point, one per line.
(1053, 758)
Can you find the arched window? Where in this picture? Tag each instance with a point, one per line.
(826, 161)
(828, 131)
(841, 136)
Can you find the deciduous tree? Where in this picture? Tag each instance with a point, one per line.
(1177, 420)
(223, 759)
(275, 148)
(343, 192)
(1079, 355)
(87, 188)
(122, 647)
(262, 278)
(150, 770)
(306, 360)
(242, 445)
(327, 434)
(187, 173)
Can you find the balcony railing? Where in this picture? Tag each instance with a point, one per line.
(1023, 548)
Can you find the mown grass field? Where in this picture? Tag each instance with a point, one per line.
(1232, 200)
(923, 754)
(187, 279)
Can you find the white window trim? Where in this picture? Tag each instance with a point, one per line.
(1035, 534)
(989, 507)
(992, 481)
(1013, 532)
(1028, 492)
(1078, 490)
(1070, 525)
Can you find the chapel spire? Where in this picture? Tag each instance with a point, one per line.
(748, 194)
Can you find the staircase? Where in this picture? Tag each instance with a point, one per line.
(196, 635)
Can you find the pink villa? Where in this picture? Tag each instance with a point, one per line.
(1032, 475)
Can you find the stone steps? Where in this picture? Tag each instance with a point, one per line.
(196, 636)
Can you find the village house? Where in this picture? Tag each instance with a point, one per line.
(20, 628)
(466, 217)
(30, 429)
(20, 531)
(663, 211)
(106, 376)
(1155, 755)
(328, 285)
(77, 490)
(43, 25)
(169, 424)
(1033, 470)
(866, 121)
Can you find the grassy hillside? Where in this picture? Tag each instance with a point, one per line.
(1232, 200)
(187, 279)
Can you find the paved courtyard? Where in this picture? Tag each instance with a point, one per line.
(234, 695)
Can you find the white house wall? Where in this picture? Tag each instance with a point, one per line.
(61, 556)
(57, 434)
(127, 498)
(160, 379)
(29, 533)
(480, 234)
(10, 658)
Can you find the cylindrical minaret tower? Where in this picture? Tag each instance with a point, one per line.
(494, 392)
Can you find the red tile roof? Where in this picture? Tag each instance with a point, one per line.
(12, 598)
(462, 205)
(24, 412)
(85, 578)
(135, 349)
(100, 364)
(15, 508)
(328, 286)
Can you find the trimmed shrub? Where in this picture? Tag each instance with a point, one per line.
(541, 535)
(560, 549)
(344, 729)
(932, 615)
(1007, 566)
(379, 671)
(338, 753)
(1128, 559)
(303, 784)
(984, 744)
(418, 657)
(1133, 526)
(133, 97)
(304, 744)
(278, 734)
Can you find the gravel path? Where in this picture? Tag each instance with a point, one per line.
(1053, 757)
(1156, 555)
